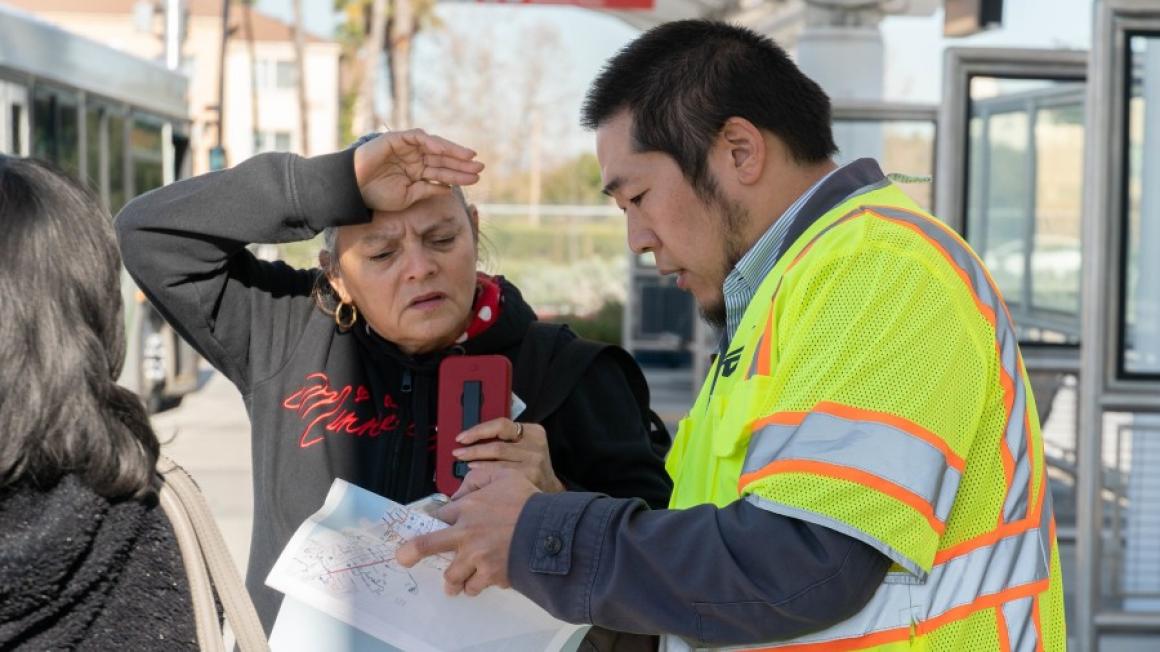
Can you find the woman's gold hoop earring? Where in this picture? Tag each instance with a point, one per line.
(345, 325)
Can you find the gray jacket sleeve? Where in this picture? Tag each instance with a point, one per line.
(185, 246)
(733, 575)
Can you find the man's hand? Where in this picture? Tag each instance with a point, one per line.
(502, 443)
(482, 525)
(400, 168)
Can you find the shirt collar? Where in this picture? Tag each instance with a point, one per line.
(849, 180)
(742, 282)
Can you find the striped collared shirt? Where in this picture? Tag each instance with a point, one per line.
(742, 282)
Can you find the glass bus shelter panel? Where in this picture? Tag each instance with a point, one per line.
(118, 192)
(97, 180)
(1140, 325)
(145, 141)
(15, 121)
(1056, 397)
(902, 147)
(1024, 198)
(662, 315)
(56, 127)
(1130, 565)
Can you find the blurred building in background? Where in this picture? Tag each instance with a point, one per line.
(260, 89)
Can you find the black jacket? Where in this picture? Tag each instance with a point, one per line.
(80, 572)
(322, 403)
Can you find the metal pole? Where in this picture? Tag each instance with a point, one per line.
(172, 62)
(1098, 153)
(221, 95)
(173, 34)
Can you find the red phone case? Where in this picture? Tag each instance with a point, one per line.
(488, 377)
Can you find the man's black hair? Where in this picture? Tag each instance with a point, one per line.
(682, 80)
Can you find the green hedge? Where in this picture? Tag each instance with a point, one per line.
(554, 239)
(603, 325)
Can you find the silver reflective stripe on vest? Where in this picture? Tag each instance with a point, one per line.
(756, 357)
(670, 643)
(901, 601)
(885, 451)
(1020, 628)
(838, 526)
(1016, 504)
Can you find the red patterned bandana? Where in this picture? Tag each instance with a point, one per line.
(485, 311)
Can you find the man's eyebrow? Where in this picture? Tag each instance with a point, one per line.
(613, 185)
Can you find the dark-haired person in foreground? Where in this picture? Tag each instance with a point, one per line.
(88, 560)
(863, 468)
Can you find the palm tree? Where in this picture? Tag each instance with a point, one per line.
(248, 19)
(373, 27)
(403, 27)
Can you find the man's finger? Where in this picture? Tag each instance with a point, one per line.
(476, 584)
(450, 512)
(411, 552)
(457, 575)
(475, 480)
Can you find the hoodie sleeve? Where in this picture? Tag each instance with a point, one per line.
(185, 246)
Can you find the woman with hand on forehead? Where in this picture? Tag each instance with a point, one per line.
(338, 365)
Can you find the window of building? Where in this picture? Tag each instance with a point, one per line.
(272, 141)
(276, 74)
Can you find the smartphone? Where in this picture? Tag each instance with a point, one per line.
(472, 389)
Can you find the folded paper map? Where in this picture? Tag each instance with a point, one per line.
(340, 565)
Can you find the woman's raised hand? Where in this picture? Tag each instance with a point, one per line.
(399, 168)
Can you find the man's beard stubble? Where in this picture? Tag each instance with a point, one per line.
(734, 218)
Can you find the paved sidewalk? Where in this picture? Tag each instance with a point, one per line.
(209, 435)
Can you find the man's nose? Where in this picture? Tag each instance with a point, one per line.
(641, 238)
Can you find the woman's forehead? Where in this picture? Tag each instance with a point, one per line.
(395, 225)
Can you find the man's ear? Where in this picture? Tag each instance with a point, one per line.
(746, 147)
(329, 264)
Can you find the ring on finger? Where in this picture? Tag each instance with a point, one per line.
(519, 431)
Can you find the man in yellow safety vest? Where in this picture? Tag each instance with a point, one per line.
(863, 468)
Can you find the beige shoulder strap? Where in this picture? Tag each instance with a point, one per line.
(202, 549)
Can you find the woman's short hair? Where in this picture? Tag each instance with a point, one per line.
(62, 341)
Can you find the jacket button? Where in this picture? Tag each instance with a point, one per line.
(553, 545)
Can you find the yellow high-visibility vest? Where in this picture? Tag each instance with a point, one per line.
(875, 387)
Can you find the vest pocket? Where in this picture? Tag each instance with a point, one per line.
(747, 406)
(709, 452)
